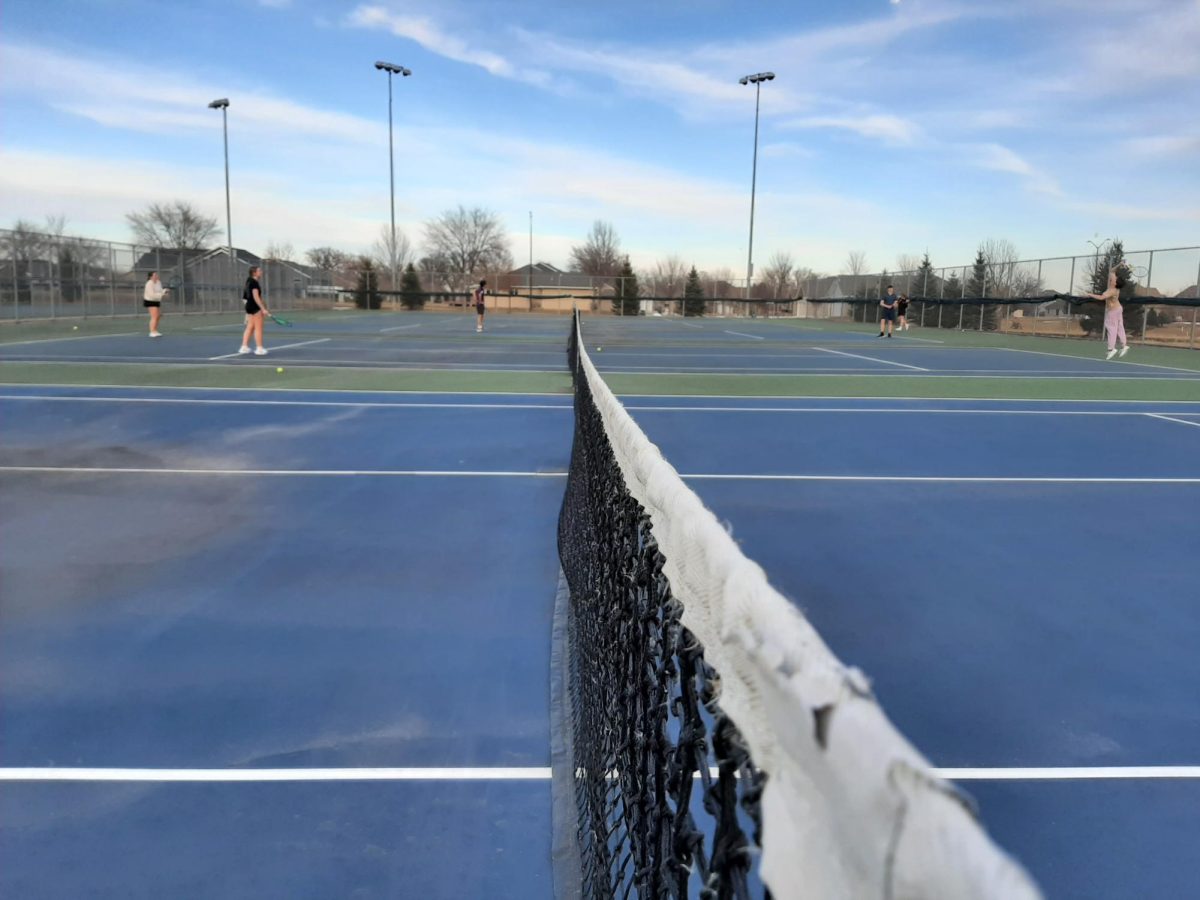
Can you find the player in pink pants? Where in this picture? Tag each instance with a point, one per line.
(1114, 316)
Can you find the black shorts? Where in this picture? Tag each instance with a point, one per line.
(902, 310)
(252, 308)
(887, 314)
(480, 308)
(151, 304)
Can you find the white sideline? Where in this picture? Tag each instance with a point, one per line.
(531, 773)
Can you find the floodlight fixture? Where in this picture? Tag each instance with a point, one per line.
(392, 68)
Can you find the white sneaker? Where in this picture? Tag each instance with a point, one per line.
(244, 350)
(261, 351)
(1110, 354)
(155, 334)
(1124, 350)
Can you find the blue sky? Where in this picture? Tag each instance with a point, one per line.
(892, 128)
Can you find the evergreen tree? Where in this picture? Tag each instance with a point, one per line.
(693, 295)
(925, 282)
(625, 291)
(977, 287)
(411, 296)
(946, 315)
(366, 287)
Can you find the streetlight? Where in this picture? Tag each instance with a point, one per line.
(392, 69)
(757, 81)
(223, 105)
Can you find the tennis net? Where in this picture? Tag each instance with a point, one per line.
(717, 748)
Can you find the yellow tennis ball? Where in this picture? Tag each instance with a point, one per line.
(599, 349)
(74, 327)
(280, 369)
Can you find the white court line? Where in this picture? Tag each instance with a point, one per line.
(292, 473)
(743, 334)
(529, 773)
(1123, 362)
(1105, 402)
(887, 362)
(1171, 419)
(280, 347)
(400, 328)
(950, 479)
(263, 775)
(76, 337)
(692, 325)
(326, 390)
(633, 407)
(1068, 773)
(334, 403)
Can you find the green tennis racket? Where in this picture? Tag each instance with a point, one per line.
(279, 320)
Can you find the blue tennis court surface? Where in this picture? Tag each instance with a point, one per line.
(534, 344)
(317, 586)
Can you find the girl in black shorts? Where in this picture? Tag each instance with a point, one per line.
(902, 312)
(480, 309)
(256, 310)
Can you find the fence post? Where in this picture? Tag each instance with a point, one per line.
(112, 282)
(1146, 307)
(1192, 334)
(981, 304)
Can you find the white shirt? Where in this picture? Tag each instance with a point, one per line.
(154, 291)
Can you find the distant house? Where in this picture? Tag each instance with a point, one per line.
(828, 288)
(212, 271)
(547, 287)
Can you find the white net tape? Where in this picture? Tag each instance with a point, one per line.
(850, 808)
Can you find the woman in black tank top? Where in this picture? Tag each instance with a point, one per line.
(256, 311)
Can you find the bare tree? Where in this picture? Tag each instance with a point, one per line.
(804, 281)
(1001, 255)
(777, 276)
(382, 249)
(668, 276)
(176, 225)
(722, 282)
(280, 250)
(600, 253)
(469, 241)
(856, 266)
(327, 259)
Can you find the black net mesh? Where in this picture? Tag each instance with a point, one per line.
(667, 796)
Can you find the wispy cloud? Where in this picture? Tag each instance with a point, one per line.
(423, 30)
(888, 128)
(1166, 145)
(998, 158)
(136, 97)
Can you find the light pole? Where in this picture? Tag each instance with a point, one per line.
(223, 105)
(392, 69)
(757, 81)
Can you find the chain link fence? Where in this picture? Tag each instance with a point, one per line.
(49, 276)
(950, 297)
(46, 276)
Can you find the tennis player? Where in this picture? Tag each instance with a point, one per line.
(887, 311)
(1114, 316)
(480, 309)
(256, 311)
(152, 300)
(902, 312)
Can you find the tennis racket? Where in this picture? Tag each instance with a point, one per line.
(279, 320)
(174, 283)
